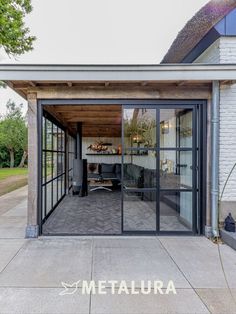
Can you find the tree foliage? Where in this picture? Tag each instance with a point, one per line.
(13, 132)
(14, 35)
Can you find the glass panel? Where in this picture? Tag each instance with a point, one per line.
(176, 211)
(63, 140)
(49, 166)
(43, 202)
(59, 187)
(70, 177)
(54, 137)
(63, 184)
(140, 127)
(175, 169)
(59, 143)
(175, 128)
(49, 135)
(49, 197)
(63, 162)
(59, 164)
(139, 211)
(139, 170)
(54, 184)
(55, 165)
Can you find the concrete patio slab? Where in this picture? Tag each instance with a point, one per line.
(228, 256)
(219, 301)
(41, 301)
(12, 227)
(45, 263)
(127, 262)
(8, 250)
(12, 199)
(185, 301)
(126, 242)
(19, 210)
(198, 259)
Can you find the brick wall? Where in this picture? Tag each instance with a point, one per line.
(224, 51)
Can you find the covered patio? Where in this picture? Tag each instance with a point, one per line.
(93, 96)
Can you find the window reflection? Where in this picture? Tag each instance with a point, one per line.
(140, 128)
(175, 128)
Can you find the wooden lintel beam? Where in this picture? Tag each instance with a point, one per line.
(32, 84)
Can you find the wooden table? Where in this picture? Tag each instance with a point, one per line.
(100, 185)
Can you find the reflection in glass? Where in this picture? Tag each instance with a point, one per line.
(175, 169)
(49, 166)
(54, 184)
(55, 137)
(175, 128)
(59, 163)
(49, 197)
(59, 140)
(59, 187)
(140, 127)
(55, 164)
(139, 211)
(63, 184)
(62, 140)
(176, 211)
(48, 135)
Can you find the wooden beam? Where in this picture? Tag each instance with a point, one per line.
(58, 117)
(96, 120)
(32, 83)
(96, 108)
(90, 114)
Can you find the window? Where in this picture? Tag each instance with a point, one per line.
(53, 165)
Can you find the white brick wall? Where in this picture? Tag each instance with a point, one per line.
(224, 51)
(228, 140)
(227, 48)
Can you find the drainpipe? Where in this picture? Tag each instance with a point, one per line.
(215, 125)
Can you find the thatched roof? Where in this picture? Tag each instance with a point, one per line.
(197, 28)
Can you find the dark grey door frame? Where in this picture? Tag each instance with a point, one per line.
(200, 124)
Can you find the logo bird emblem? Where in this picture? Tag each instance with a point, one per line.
(69, 288)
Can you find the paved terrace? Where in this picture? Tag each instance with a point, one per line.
(31, 271)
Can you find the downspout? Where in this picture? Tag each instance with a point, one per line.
(215, 126)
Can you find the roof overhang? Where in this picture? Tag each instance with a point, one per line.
(117, 73)
(25, 78)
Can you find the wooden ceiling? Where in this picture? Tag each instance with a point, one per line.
(97, 120)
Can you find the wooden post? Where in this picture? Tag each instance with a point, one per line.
(32, 228)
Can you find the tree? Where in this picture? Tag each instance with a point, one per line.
(13, 131)
(14, 36)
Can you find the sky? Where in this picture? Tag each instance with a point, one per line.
(101, 32)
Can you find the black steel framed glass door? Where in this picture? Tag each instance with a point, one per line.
(159, 168)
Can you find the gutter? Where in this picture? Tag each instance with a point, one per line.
(215, 125)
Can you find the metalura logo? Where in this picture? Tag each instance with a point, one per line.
(118, 287)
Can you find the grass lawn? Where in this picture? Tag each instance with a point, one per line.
(9, 172)
(12, 179)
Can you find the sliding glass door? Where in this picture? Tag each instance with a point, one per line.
(139, 169)
(159, 186)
